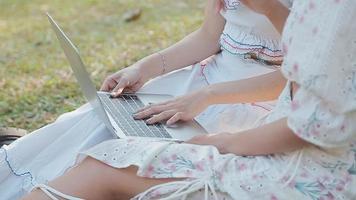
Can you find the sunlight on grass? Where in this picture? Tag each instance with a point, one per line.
(36, 82)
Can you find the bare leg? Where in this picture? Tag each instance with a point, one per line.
(95, 180)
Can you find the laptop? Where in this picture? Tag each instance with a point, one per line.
(116, 113)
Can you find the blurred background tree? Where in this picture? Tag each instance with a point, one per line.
(36, 81)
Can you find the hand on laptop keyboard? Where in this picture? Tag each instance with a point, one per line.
(121, 110)
(182, 108)
(129, 79)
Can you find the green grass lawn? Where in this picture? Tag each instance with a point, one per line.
(36, 82)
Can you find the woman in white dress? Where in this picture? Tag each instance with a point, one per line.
(250, 48)
(247, 45)
(308, 150)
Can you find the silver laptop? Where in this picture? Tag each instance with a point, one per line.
(116, 113)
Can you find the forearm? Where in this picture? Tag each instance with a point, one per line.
(194, 48)
(277, 14)
(261, 88)
(271, 138)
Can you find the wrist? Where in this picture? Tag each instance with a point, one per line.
(210, 95)
(150, 66)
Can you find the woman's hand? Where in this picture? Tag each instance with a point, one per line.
(182, 108)
(222, 141)
(129, 79)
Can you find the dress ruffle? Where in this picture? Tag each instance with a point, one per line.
(24, 180)
(237, 41)
(231, 4)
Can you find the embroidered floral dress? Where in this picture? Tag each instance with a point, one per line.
(320, 45)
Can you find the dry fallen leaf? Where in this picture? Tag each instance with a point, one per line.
(132, 15)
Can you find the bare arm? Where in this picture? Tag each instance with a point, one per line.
(278, 15)
(256, 89)
(194, 48)
(274, 10)
(261, 88)
(271, 138)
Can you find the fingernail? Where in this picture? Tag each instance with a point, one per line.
(136, 116)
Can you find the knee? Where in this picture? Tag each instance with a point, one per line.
(99, 176)
(114, 183)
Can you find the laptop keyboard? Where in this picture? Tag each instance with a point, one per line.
(121, 110)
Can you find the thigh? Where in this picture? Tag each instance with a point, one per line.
(177, 190)
(92, 179)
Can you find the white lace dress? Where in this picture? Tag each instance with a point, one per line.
(320, 46)
(48, 152)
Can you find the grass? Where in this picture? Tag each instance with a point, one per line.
(36, 82)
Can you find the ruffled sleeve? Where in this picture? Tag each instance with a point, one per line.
(321, 59)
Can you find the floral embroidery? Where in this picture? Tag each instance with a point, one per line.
(312, 125)
(339, 165)
(178, 163)
(273, 197)
(315, 190)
